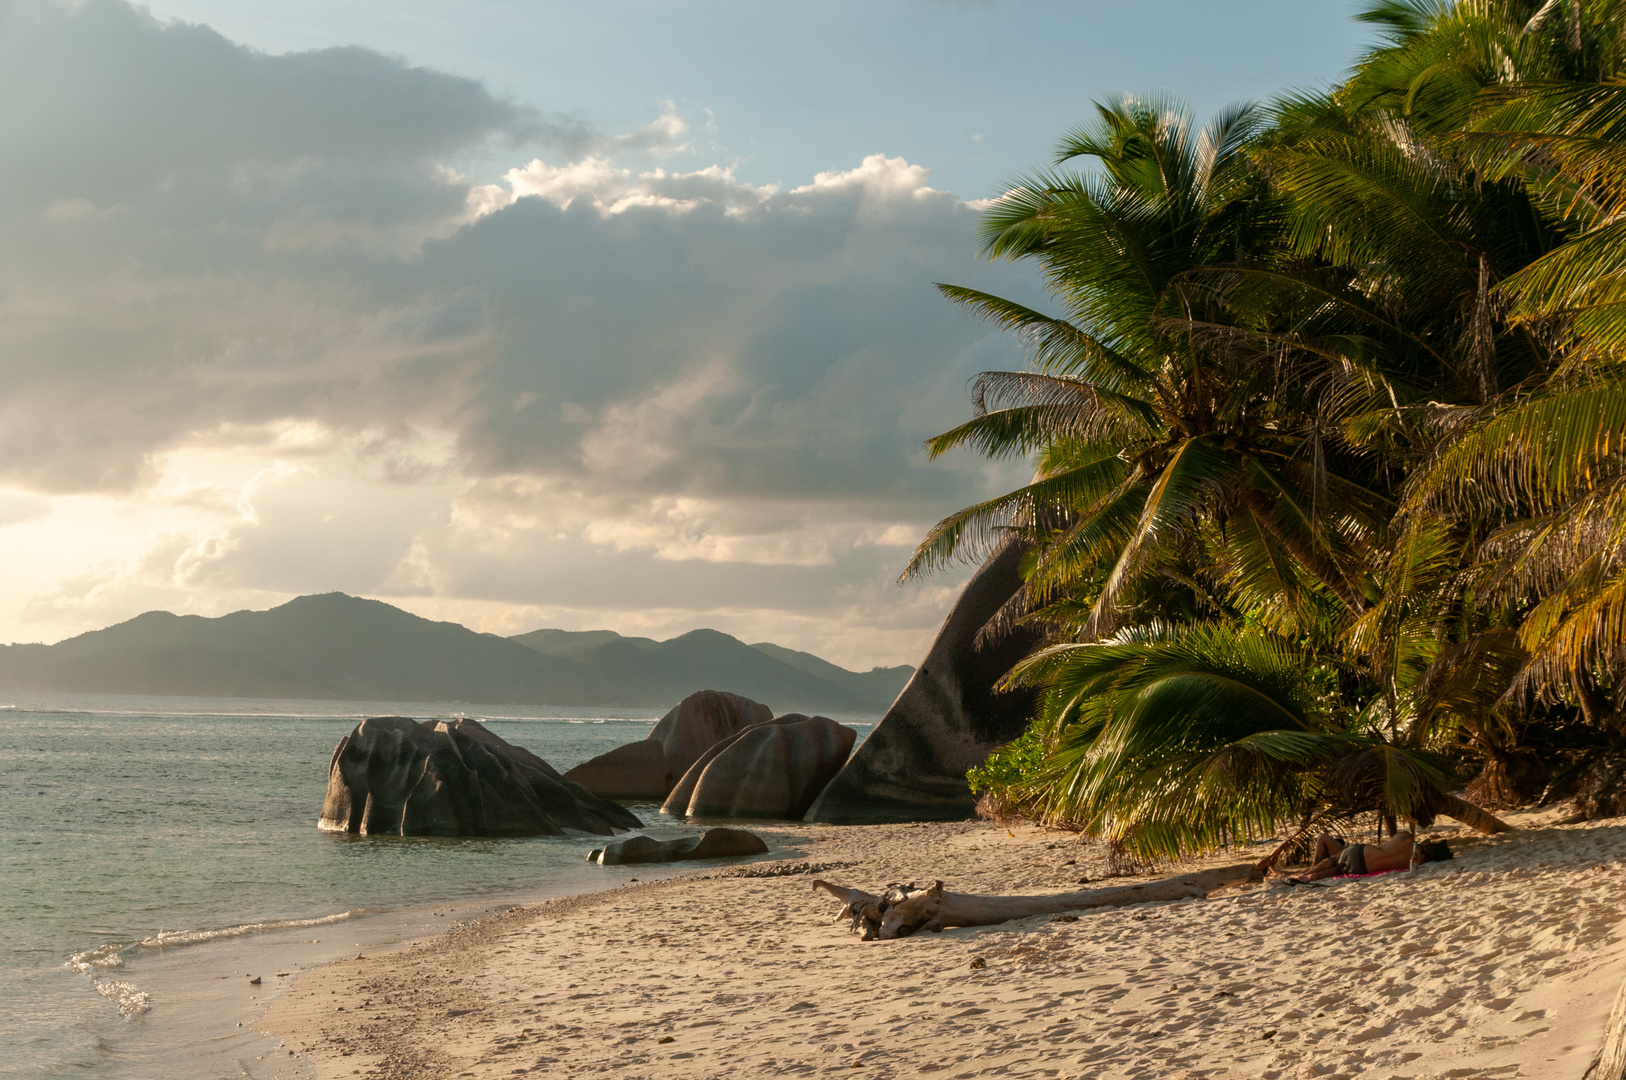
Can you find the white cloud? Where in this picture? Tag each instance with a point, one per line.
(288, 346)
(879, 175)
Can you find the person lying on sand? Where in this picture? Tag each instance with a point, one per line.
(1333, 855)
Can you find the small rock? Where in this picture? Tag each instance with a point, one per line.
(255, 981)
(1271, 1034)
(1064, 918)
(711, 844)
(1083, 881)
(665, 1039)
(978, 963)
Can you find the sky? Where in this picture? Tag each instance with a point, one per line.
(523, 314)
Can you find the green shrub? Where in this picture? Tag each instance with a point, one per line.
(1003, 779)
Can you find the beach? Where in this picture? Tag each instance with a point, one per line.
(1502, 963)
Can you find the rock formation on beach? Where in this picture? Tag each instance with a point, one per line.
(402, 777)
(648, 769)
(771, 770)
(711, 844)
(947, 719)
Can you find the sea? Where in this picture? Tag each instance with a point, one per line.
(159, 854)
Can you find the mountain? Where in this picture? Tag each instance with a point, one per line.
(876, 683)
(771, 673)
(347, 648)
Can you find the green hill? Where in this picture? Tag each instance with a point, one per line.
(626, 669)
(344, 647)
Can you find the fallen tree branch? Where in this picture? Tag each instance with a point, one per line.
(903, 910)
(1610, 1064)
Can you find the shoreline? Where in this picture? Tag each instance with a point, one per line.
(1504, 963)
(202, 1010)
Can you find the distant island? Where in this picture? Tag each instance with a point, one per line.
(343, 647)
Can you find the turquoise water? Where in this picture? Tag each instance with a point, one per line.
(134, 829)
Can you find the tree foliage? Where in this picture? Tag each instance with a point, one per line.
(1326, 418)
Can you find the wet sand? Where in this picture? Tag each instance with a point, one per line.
(1503, 963)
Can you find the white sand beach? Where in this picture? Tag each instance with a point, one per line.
(1501, 964)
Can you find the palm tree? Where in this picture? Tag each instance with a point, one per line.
(1327, 432)
(1149, 413)
(1170, 739)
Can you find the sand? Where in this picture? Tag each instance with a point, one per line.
(1503, 963)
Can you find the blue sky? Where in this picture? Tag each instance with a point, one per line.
(531, 314)
(976, 91)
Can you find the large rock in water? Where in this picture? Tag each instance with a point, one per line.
(771, 770)
(711, 844)
(648, 769)
(402, 777)
(947, 718)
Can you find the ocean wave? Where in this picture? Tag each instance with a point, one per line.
(167, 939)
(104, 957)
(126, 712)
(130, 1000)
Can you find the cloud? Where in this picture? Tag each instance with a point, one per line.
(589, 381)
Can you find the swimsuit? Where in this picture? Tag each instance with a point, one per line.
(1352, 859)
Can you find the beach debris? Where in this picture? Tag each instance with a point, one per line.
(1610, 1064)
(255, 981)
(664, 1039)
(782, 869)
(978, 963)
(1064, 918)
(903, 910)
(711, 844)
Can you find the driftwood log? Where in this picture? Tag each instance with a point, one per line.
(903, 910)
(1610, 1064)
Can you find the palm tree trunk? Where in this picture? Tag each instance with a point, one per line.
(1594, 704)
(1470, 815)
